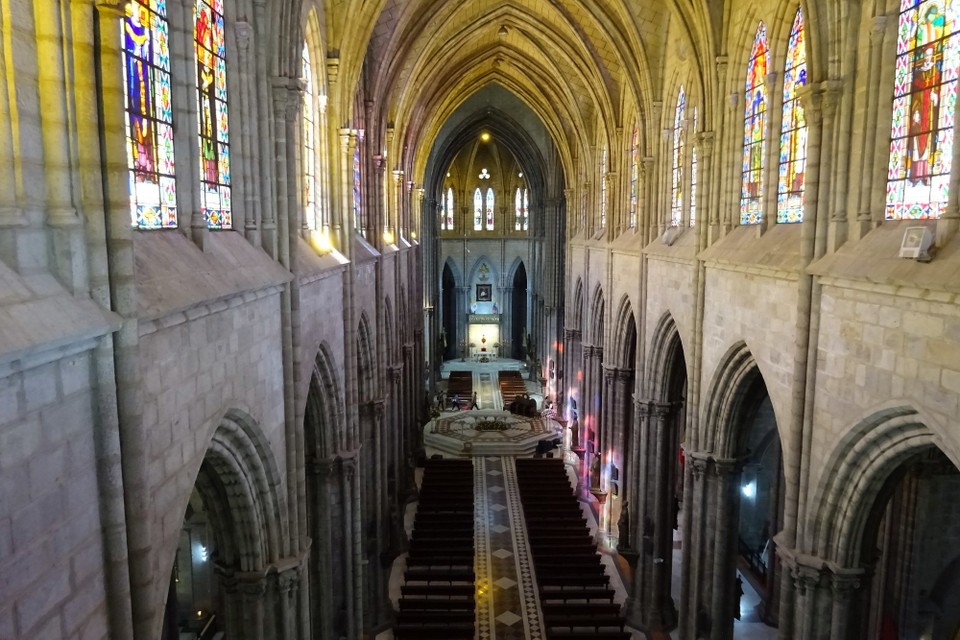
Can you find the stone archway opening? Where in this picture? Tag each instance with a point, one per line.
(518, 312)
(449, 305)
(910, 554)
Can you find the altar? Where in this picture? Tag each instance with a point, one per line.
(483, 335)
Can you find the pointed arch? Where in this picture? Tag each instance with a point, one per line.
(856, 472)
(725, 407)
(493, 278)
(324, 410)
(477, 209)
(625, 331)
(754, 127)
(578, 305)
(365, 360)
(240, 483)
(665, 349)
(597, 309)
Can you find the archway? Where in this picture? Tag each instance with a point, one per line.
(735, 445)
(450, 313)
(663, 420)
(518, 310)
(224, 577)
(323, 439)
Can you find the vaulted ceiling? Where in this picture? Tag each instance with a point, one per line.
(580, 65)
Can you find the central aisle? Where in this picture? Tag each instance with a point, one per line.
(507, 604)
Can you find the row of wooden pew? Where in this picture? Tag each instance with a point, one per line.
(511, 384)
(460, 384)
(575, 593)
(438, 597)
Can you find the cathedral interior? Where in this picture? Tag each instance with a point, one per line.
(287, 287)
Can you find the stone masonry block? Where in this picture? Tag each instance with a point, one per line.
(40, 386)
(75, 374)
(41, 604)
(19, 441)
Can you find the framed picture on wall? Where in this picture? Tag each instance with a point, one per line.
(484, 292)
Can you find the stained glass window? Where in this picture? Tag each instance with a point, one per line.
(215, 196)
(477, 210)
(603, 187)
(518, 216)
(146, 83)
(310, 209)
(924, 100)
(755, 117)
(490, 204)
(526, 209)
(449, 209)
(793, 131)
(693, 174)
(357, 192)
(634, 175)
(679, 142)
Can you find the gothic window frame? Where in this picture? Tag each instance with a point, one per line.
(603, 187)
(793, 129)
(146, 48)
(678, 168)
(755, 121)
(911, 195)
(489, 206)
(634, 175)
(692, 221)
(478, 209)
(311, 114)
(216, 191)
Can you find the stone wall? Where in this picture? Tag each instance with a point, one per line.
(51, 554)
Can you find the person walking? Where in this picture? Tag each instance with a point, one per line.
(474, 404)
(455, 402)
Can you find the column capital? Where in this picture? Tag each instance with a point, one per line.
(725, 467)
(878, 28)
(806, 578)
(289, 579)
(244, 31)
(571, 334)
(111, 7)
(372, 409)
(321, 467)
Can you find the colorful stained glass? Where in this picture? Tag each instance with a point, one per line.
(311, 212)
(149, 116)
(679, 144)
(518, 209)
(448, 207)
(793, 130)
(477, 210)
(754, 144)
(634, 175)
(924, 101)
(489, 207)
(603, 187)
(212, 114)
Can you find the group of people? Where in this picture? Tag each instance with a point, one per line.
(455, 402)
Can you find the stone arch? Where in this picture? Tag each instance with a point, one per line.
(597, 317)
(578, 305)
(725, 401)
(661, 367)
(365, 360)
(625, 331)
(512, 270)
(240, 479)
(324, 409)
(454, 271)
(475, 269)
(856, 472)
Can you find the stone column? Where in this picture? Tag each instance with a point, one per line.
(251, 188)
(660, 614)
(872, 176)
(11, 216)
(692, 584)
(639, 496)
(726, 481)
(253, 594)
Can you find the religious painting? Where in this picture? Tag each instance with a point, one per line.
(925, 96)
(793, 130)
(484, 292)
(210, 46)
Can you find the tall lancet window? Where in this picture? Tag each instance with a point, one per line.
(793, 131)
(679, 159)
(448, 209)
(215, 196)
(490, 204)
(755, 118)
(526, 209)
(149, 121)
(477, 210)
(603, 187)
(924, 100)
(357, 188)
(693, 174)
(518, 209)
(634, 175)
(311, 210)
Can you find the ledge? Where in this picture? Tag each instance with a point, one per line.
(777, 251)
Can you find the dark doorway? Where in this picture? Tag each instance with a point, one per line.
(449, 313)
(518, 321)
